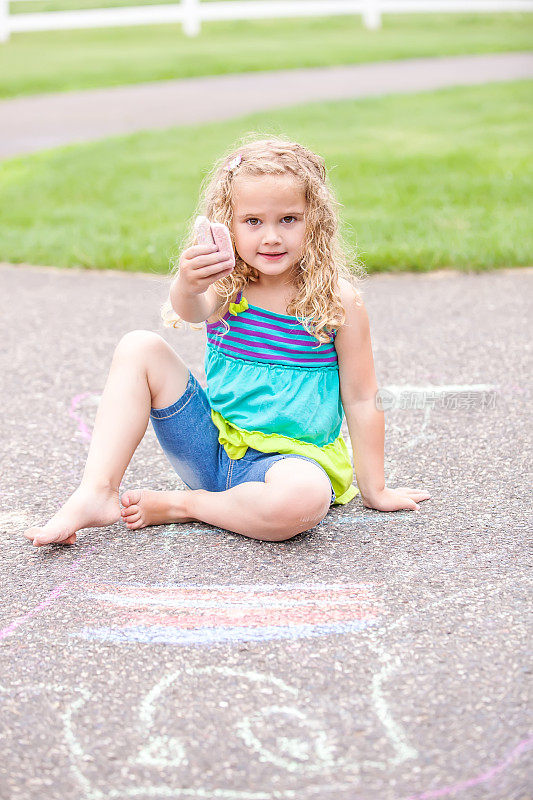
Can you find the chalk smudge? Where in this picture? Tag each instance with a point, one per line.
(484, 777)
(86, 434)
(53, 595)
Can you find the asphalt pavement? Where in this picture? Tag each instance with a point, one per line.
(379, 656)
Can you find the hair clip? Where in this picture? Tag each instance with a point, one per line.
(233, 163)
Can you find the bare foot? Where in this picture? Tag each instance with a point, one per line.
(144, 507)
(87, 507)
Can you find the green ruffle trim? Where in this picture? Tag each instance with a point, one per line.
(236, 308)
(333, 457)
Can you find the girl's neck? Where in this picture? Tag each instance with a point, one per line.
(274, 297)
(276, 284)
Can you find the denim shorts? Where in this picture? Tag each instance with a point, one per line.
(189, 439)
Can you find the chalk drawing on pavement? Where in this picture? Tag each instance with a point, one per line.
(206, 615)
(279, 724)
(395, 732)
(312, 753)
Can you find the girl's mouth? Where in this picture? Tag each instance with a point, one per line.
(272, 256)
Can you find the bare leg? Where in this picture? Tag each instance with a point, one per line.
(288, 503)
(145, 371)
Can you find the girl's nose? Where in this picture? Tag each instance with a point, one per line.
(271, 235)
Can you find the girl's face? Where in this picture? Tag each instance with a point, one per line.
(269, 224)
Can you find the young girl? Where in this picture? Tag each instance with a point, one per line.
(288, 354)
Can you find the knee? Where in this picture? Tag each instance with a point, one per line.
(134, 342)
(299, 509)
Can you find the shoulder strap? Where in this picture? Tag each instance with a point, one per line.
(241, 304)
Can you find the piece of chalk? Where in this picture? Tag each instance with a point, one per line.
(215, 233)
(202, 229)
(222, 238)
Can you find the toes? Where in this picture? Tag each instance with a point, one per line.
(131, 497)
(130, 511)
(40, 538)
(133, 518)
(49, 538)
(40, 541)
(138, 523)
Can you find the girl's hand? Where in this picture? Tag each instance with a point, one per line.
(395, 499)
(200, 266)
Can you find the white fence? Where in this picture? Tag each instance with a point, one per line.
(191, 13)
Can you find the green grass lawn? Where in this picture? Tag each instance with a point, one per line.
(63, 60)
(442, 179)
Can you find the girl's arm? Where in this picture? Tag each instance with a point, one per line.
(366, 423)
(191, 294)
(194, 307)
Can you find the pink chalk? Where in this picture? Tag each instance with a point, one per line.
(217, 233)
(202, 229)
(222, 238)
(82, 427)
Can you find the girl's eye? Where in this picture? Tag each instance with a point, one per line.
(253, 220)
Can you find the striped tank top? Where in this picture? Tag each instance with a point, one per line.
(273, 387)
(265, 336)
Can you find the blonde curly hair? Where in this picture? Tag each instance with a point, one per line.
(317, 304)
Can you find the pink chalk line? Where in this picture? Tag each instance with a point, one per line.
(55, 592)
(521, 747)
(82, 427)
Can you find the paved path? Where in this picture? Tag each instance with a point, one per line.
(29, 124)
(376, 656)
